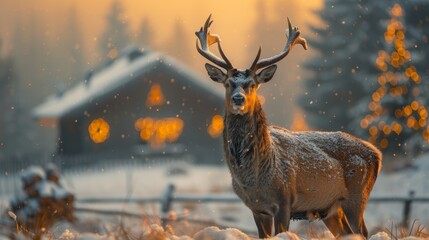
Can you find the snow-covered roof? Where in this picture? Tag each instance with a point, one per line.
(121, 72)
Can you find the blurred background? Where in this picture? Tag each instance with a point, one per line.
(104, 83)
(50, 46)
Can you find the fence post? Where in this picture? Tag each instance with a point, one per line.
(166, 202)
(407, 209)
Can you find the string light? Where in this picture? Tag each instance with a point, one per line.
(394, 81)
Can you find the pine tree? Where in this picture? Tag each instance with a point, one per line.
(178, 44)
(269, 33)
(74, 50)
(68, 63)
(417, 20)
(31, 81)
(11, 138)
(146, 34)
(397, 116)
(346, 43)
(116, 35)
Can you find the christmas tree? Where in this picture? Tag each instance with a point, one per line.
(397, 116)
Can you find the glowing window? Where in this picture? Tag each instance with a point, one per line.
(155, 96)
(159, 131)
(99, 130)
(216, 126)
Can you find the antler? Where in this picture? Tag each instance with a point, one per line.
(206, 40)
(292, 39)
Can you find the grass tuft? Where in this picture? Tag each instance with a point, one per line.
(398, 232)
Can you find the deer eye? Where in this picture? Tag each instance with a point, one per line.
(227, 85)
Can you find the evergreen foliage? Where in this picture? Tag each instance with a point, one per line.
(116, 36)
(397, 117)
(347, 42)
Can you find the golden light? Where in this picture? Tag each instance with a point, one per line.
(158, 131)
(99, 130)
(386, 130)
(376, 97)
(299, 123)
(422, 112)
(384, 143)
(415, 77)
(398, 113)
(422, 122)
(364, 123)
(414, 105)
(382, 80)
(397, 128)
(407, 111)
(397, 10)
(373, 130)
(411, 121)
(261, 99)
(112, 54)
(155, 96)
(216, 126)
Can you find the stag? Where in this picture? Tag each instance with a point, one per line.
(280, 174)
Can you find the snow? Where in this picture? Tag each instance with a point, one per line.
(119, 73)
(106, 80)
(151, 180)
(31, 172)
(380, 236)
(214, 233)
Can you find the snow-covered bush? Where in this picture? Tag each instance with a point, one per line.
(42, 202)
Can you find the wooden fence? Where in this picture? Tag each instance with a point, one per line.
(169, 197)
(11, 169)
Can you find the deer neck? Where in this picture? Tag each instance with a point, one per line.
(247, 142)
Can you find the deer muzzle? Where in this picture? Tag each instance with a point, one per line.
(238, 99)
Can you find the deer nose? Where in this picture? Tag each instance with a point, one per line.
(238, 99)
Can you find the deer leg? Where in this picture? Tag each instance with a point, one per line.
(364, 230)
(338, 224)
(282, 219)
(354, 212)
(264, 222)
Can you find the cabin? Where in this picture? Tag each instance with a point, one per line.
(140, 104)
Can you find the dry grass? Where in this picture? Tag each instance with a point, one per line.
(398, 232)
(154, 227)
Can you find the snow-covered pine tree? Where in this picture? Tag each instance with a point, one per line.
(351, 34)
(116, 36)
(397, 115)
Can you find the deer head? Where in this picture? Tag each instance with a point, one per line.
(241, 85)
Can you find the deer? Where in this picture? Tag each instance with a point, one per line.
(281, 174)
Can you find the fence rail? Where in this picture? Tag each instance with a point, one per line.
(168, 198)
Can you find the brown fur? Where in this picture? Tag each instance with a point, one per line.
(282, 174)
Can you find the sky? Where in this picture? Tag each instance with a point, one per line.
(233, 19)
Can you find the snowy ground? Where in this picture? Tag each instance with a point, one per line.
(189, 179)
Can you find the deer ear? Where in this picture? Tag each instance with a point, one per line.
(215, 73)
(266, 74)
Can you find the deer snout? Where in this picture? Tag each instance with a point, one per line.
(238, 99)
